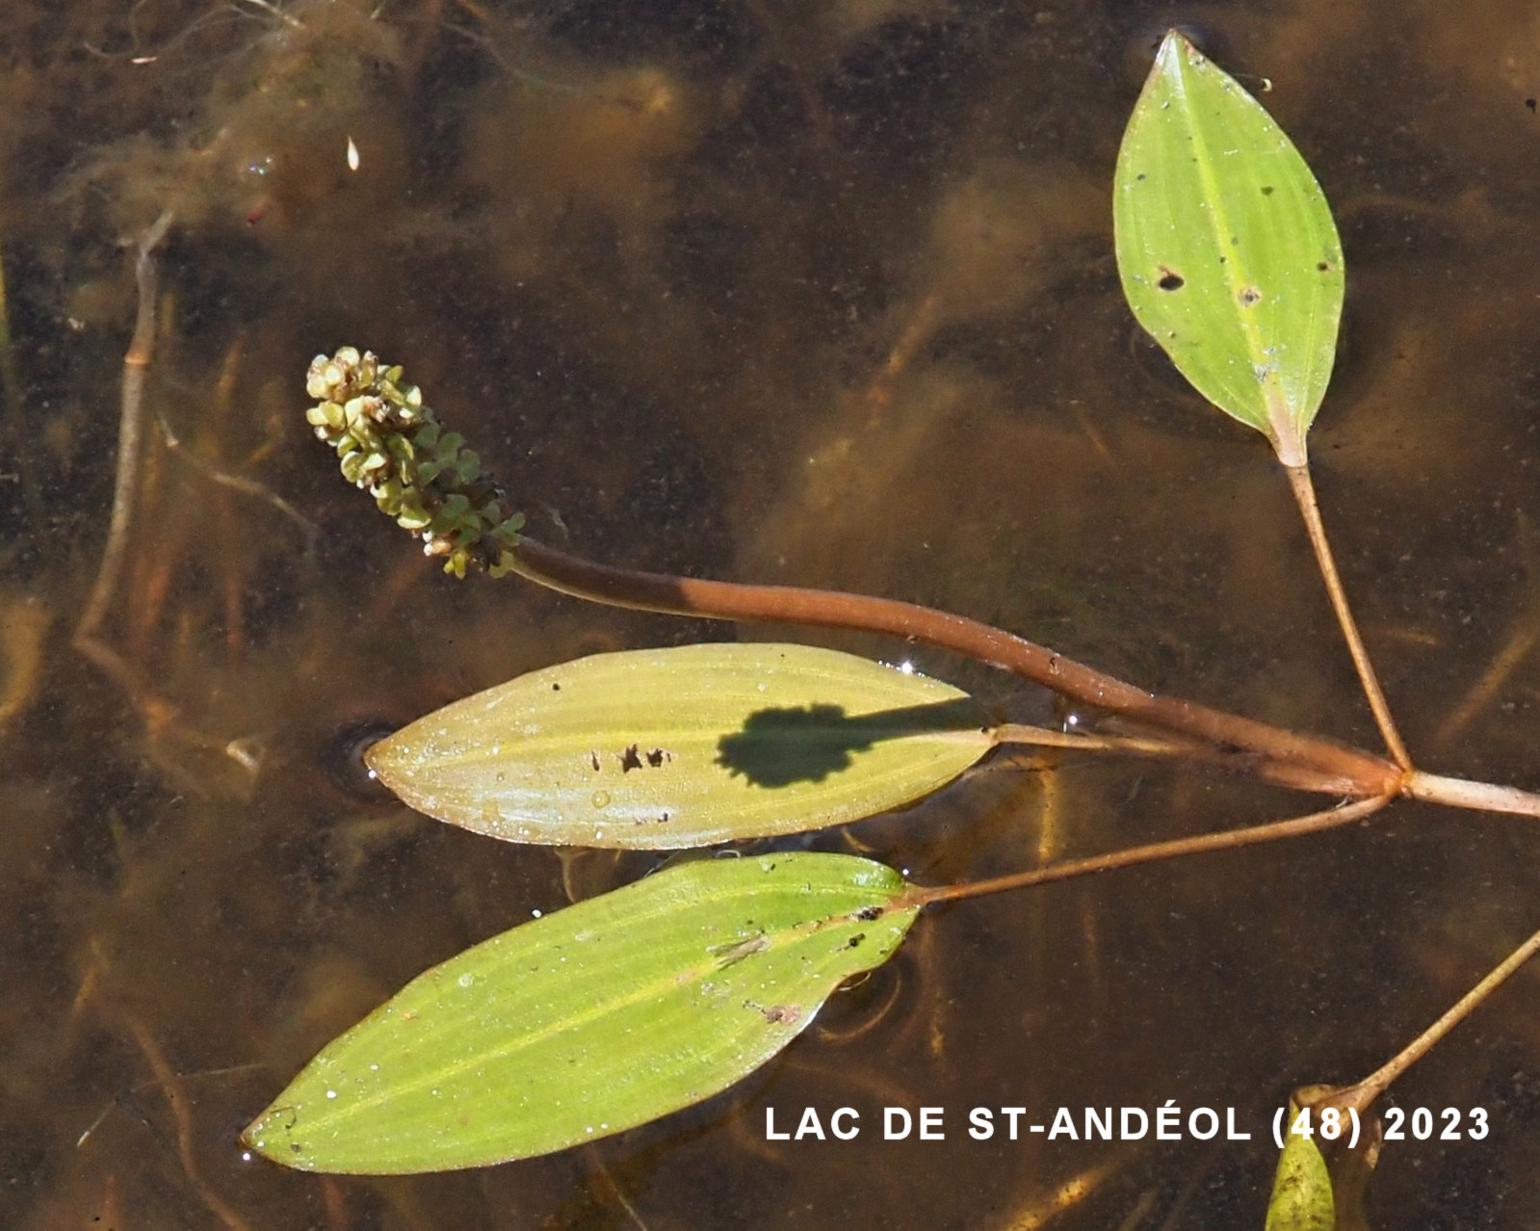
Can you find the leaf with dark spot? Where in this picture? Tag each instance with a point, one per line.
(1208, 184)
(731, 741)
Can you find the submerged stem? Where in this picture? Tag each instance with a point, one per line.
(1304, 495)
(125, 494)
(1228, 840)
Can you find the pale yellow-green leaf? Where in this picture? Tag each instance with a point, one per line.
(593, 1019)
(1226, 247)
(684, 747)
(1302, 1195)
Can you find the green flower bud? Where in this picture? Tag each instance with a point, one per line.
(391, 444)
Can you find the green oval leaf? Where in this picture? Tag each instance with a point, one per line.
(683, 747)
(1226, 247)
(591, 1020)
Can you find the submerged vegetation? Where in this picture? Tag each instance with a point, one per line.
(821, 298)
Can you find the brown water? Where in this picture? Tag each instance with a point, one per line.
(818, 292)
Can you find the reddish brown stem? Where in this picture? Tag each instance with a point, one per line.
(1304, 761)
(1304, 495)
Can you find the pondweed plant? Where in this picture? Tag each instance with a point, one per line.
(624, 1007)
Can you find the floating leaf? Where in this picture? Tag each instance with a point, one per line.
(596, 1018)
(1302, 1193)
(684, 747)
(1226, 247)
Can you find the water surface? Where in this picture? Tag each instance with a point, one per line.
(818, 293)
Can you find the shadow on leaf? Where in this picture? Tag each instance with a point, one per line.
(807, 743)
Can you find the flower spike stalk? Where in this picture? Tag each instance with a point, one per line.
(393, 446)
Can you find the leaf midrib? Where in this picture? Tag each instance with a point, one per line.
(1275, 404)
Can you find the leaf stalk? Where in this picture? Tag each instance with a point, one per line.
(1303, 488)
(1226, 840)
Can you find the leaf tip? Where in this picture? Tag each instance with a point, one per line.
(266, 1135)
(1175, 43)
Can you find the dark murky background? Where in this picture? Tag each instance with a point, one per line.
(813, 291)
